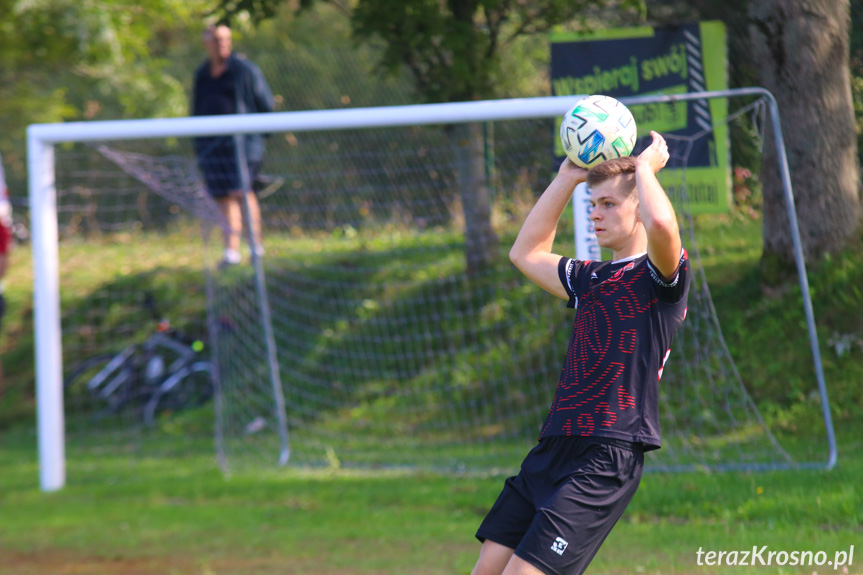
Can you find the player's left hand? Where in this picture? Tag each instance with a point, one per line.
(656, 154)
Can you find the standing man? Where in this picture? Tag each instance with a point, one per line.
(227, 83)
(575, 483)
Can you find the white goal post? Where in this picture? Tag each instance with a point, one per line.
(42, 138)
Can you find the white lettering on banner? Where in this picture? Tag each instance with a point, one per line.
(586, 246)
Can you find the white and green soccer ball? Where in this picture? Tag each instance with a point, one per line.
(596, 129)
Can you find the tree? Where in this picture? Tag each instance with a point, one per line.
(801, 48)
(71, 60)
(452, 49)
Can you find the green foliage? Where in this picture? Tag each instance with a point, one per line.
(452, 50)
(123, 265)
(311, 62)
(766, 331)
(69, 60)
(65, 60)
(777, 370)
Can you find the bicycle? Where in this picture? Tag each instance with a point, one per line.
(165, 373)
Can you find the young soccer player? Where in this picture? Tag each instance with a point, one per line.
(575, 484)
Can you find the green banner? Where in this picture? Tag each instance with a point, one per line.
(672, 60)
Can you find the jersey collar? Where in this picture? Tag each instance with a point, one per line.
(629, 259)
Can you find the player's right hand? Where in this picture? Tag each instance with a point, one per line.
(569, 169)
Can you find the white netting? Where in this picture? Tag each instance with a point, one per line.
(391, 350)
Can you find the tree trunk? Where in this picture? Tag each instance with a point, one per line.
(481, 243)
(801, 48)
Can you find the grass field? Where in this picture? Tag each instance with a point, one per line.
(179, 515)
(127, 512)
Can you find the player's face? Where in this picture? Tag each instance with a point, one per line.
(614, 214)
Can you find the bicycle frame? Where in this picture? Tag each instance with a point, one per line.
(122, 370)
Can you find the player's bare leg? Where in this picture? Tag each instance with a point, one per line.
(493, 559)
(518, 566)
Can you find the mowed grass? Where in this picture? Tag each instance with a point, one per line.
(128, 513)
(121, 514)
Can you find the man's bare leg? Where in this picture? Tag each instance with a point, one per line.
(255, 217)
(230, 208)
(233, 208)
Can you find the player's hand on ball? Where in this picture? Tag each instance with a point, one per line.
(569, 169)
(656, 154)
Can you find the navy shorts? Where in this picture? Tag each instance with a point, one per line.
(563, 503)
(218, 163)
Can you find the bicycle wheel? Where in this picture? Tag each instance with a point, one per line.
(191, 386)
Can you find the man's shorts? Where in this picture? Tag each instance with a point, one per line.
(221, 172)
(563, 503)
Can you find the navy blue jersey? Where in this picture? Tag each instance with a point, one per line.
(621, 338)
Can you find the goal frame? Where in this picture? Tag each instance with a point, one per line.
(41, 139)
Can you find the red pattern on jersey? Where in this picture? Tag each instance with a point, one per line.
(585, 424)
(608, 384)
(594, 383)
(607, 416)
(627, 340)
(624, 400)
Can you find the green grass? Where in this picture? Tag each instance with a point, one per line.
(179, 515)
(767, 334)
(128, 508)
(102, 285)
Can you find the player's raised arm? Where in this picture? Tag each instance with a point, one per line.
(531, 253)
(655, 209)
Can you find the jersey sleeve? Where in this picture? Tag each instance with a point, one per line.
(675, 289)
(568, 270)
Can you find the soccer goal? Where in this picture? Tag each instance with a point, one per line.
(383, 325)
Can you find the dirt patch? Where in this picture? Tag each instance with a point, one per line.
(60, 563)
(54, 562)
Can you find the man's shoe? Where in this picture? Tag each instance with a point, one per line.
(230, 258)
(265, 184)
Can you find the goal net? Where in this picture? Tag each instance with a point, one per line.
(383, 325)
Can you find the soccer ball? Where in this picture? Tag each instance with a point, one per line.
(596, 129)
